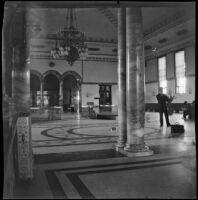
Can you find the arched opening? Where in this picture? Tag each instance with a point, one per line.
(35, 90)
(71, 93)
(51, 90)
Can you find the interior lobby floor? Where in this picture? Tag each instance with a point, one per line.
(74, 158)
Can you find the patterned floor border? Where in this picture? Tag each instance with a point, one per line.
(80, 187)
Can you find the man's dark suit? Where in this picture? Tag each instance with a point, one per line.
(162, 100)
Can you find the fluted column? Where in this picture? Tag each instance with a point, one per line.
(135, 83)
(61, 94)
(122, 121)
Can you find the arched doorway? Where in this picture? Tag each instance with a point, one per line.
(51, 90)
(71, 91)
(35, 83)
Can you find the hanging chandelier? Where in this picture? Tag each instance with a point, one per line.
(69, 41)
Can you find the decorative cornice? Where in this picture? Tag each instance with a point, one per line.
(99, 83)
(89, 58)
(87, 39)
(171, 47)
(168, 23)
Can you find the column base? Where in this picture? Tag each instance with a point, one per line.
(120, 144)
(131, 151)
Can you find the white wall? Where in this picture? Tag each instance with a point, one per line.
(88, 93)
(151, 90)
(114, 90)
(100, 71)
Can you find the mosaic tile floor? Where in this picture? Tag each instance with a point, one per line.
(74, 158)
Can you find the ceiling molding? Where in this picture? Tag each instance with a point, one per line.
(62, 4)
(171, 47)
(94, 4)
(109, 15)
(168, 23)
(89, 58)
(87, 39)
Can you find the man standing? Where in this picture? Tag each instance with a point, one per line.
(162, 100)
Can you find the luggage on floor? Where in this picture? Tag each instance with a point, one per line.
(177, 129)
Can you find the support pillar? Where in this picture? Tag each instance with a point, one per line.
(41, 92)
(21, 68)
(122, 120)
(61, 95)
(21, 93)
(135, 84)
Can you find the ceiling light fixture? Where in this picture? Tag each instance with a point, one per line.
(69, 41)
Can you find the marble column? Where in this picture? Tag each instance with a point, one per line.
(61, 94)
(135, 84)
(21, 64)
(122, 121)
(21, 94)
(7, 46)
(41, 93)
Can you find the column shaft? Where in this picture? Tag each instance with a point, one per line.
(61, 94)
(122, 77)
(21, 68)
(41, 90)
(135, 81)
(21, 94)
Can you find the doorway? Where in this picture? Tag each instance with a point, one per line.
(71, 93)
(105, 99)
(51, 90)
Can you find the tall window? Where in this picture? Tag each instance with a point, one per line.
(162, 73)
(180, 72)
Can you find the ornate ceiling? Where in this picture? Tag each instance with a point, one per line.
(162, 26)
